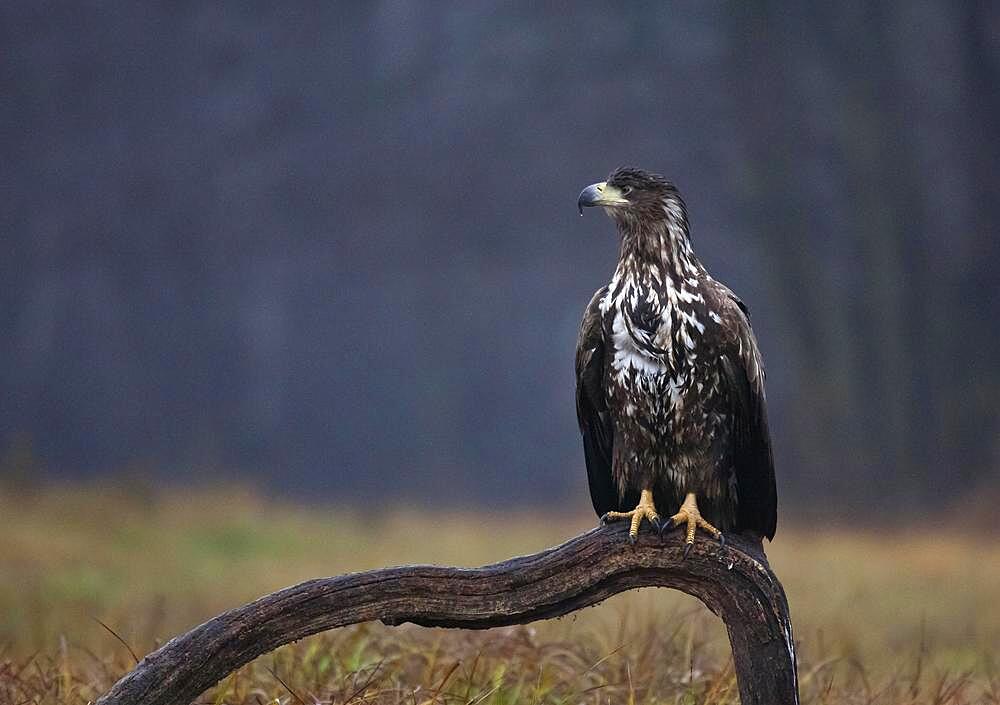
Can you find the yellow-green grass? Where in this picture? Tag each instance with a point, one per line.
(902, 616)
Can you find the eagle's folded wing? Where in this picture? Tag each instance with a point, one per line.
(592, 409)
(753, 462)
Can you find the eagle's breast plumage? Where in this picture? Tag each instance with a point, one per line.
(662, 383)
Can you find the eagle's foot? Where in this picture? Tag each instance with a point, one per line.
(644, 510)
(688, 514)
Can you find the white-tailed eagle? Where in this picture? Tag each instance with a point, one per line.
(670, 388)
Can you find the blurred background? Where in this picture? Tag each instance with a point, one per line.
(334, 250)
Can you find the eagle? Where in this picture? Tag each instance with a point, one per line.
(669, 382)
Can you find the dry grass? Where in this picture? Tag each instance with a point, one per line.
(892, 618)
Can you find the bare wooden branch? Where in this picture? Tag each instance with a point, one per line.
(734, 581)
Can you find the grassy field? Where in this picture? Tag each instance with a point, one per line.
(880, 616)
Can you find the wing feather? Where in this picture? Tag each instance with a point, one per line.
(753, 459)
(592, 408)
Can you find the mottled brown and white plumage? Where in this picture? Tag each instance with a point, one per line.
(670, 387)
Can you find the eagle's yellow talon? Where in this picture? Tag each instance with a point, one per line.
(644, 510)
(689, 515)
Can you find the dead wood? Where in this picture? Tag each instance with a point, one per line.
(734, 581)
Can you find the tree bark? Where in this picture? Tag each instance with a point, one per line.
(734, 581)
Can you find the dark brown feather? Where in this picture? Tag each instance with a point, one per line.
(753, 461)
(592, 409)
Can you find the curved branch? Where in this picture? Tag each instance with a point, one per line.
(734, 581)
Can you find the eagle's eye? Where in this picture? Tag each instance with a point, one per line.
(626, 190)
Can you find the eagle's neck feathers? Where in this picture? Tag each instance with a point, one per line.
(658, 246)
(655, 291)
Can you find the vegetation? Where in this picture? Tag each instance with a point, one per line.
(89, 577)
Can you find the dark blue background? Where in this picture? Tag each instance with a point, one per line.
(334, 247)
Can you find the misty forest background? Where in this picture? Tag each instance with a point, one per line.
(336, 251)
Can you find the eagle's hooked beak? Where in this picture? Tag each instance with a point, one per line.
(600, 194)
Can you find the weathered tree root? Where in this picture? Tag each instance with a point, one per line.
(734, 581)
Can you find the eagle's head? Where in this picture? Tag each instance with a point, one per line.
(632, 196)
